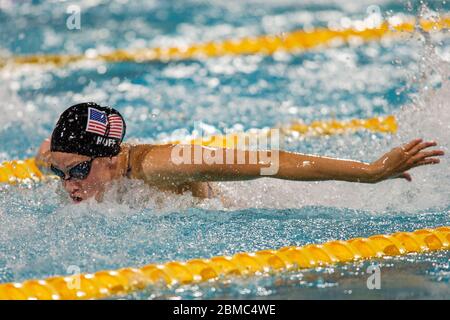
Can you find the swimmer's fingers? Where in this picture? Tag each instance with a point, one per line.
(421, 159)
(427, 161)
(424, 155)
(408, 146)
(420, 146)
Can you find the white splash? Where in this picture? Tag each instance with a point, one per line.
(428, 118)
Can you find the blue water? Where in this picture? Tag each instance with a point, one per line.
(41, 234)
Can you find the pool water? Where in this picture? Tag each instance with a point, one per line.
(42, 234)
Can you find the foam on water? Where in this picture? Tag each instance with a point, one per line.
(427, 118)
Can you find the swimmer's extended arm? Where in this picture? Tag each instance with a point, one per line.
(164, 163)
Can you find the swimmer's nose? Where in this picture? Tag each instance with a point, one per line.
(71, 185)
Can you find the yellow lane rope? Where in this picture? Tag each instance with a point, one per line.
(20, 171)
(104, 284)
(26, 170)
(385, 124)
(295, 41)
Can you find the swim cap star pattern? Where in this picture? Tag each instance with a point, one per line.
(90, 130)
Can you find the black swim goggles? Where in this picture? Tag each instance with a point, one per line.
(77, 172)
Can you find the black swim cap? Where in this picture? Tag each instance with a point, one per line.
(90, 130)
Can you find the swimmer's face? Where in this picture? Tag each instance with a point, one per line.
(95, 183)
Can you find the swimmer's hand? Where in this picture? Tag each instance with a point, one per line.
(398, 161)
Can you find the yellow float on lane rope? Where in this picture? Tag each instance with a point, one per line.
(17, 171)
(385, 124)
(105, 284)
(295, 41)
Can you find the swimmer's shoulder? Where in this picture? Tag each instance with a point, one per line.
(142, 158)
(136, 156)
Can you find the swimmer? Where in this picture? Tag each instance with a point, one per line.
(86, 152)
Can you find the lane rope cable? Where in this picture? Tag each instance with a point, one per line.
(104, 284)
(295, 41)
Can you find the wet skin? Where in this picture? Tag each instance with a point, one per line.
(103, 170)
(156, 168)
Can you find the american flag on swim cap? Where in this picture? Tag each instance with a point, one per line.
(115, 126)
(98, 123)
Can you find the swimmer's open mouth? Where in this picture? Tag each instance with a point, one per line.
(76, 199)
